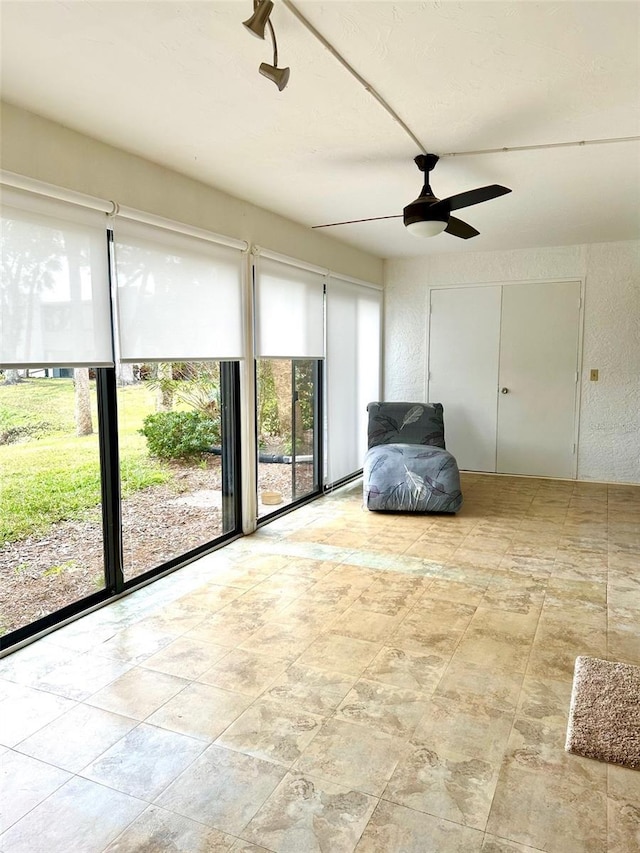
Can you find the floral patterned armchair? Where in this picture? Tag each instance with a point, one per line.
(407, 467)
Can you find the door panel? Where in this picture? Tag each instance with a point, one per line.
(538, 364)
(464, 346)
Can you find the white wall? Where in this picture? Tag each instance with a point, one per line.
(41, 149)
(609, 440)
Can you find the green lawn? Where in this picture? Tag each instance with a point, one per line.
(50, 474)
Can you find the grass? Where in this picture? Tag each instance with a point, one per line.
(51, 475)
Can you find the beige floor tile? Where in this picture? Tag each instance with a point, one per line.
(583, 599)
(443, 783)
(623, 809)
(159, 830)
(433, 627)
(431, 550)
(308, 569)
(476, 558)
(473, 731)
(535, 746)
(532, 548)
(211, 597)
(28, 710)
(545, 700)
(623, 640)
(77, 737)
(244, 671)
(557, 644)
(472, 684)
(341, 654)
(353, 756)
(144, 761)
(137, 693)
(463, 592)
(396, 829)
(81, 676)
(277, 640)
(226, 628)
(366, 624)
(30, 664)
(25, 782)
(623, 597)
(385, 708)
(134, 644)
(408, 670)
(311, 609)
(529, 566)
(306, 813)
(498, 639)
(173, 620)
(185, 658)
(557, 816)
(200, 711)
(81, 815)
(492, 844)
(222, 788)
(512, 592)
(308, 688)
(273, 731)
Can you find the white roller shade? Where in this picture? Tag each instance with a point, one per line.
(54, 288)
(289, 311)
(353, 371)
(179, 298)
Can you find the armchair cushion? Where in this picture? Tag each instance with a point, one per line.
(406, 423)
(408, 477)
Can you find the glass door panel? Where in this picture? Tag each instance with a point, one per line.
(173, 466)
(51, 540)
(303, 444)
(288, 459)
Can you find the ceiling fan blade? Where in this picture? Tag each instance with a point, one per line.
(455, 202)
(353, 221)
(460, 229)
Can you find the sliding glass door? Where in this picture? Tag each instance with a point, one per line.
(289, 310)
(288, 392)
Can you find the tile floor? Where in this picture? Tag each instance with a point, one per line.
(340, 681)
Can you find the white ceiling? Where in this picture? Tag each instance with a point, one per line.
(178, 83)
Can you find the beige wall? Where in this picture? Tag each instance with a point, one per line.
(41, 149)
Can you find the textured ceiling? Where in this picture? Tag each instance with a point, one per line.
(177, 83)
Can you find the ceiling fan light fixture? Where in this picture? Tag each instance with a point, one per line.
(257, 23)
(426, 227)
(280, 76)
(424, 217)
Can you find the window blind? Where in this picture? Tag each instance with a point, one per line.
(353, 371)
(54, 288)
(289, 310)
(179, 298)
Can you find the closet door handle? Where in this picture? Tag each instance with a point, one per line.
(504, 390)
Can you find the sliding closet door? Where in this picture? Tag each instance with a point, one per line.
(464, 347)
(538, 376)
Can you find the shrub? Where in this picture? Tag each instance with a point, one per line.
(176, 435)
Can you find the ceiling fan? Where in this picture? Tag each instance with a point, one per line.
(429, 215)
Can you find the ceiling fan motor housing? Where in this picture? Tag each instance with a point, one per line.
(423, 209)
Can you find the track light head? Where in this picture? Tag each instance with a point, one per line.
(280, 76)
(257, 23)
